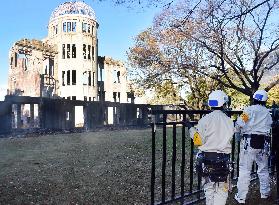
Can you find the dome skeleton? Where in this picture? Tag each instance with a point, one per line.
(76, 7)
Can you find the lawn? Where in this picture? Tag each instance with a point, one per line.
(104, 167)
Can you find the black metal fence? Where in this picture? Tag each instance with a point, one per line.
(173, 176)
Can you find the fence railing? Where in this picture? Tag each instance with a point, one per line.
(173, 176)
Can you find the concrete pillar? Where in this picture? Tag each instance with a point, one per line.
(32, 115)
(105, 115)
(41, 114)
(72, 117)
(114, 116)
(85, 117)
(118, 115)
(18, 116)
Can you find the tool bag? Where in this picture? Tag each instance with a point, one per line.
(256, 141)
(213, 165)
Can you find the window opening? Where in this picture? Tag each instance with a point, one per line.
(51, 70)
(93, 53)
(63, 51)
(88, 28)
(89, 52)
(69, 27)
(84, 51)
(84, 78)
(63, 78)
(118, 76)
(16, 59)
(74, 77)
(51, 67)
(89, 78)
(74, 51)
(64, 27)
(93, 78)
(46, 70)
(68, 77)
(114, 96)
(68, 50)
(114, 76)
(74, 24)
(84, 25)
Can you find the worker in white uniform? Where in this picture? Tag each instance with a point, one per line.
(254, 125)
(213, 135)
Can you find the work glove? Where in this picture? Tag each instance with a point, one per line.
(192, 131)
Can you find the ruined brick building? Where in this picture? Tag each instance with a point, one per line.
(66, 63)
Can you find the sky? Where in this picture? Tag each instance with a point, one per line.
(118, 25)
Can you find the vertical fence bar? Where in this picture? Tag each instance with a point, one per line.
(153, 165)
(182, 184)
(199, 185)
(199, 178)
(277, 176)
(233, 156)
(238, 152)
(191, 166)
(164, 158)
(173, 161)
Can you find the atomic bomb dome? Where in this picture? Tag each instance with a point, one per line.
(65, 64)
(76, 7)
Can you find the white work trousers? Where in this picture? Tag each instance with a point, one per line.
(216, 193)
(247, 157)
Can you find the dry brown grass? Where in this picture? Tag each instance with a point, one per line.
(108, 167)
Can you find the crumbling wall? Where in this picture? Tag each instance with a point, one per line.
(32, 69)
(5, 117)
(59, 114)
(113, 74)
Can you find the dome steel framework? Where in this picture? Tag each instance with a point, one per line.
(76, 7)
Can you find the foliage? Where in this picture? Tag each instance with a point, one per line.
(233, 43)
(157, 57)
(273, 96)
(166, 93)
(238, 99)
(238, 37)
(200, 88)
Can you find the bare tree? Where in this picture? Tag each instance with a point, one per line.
(239, 40)
(143, 3)
(235, 43)
(159, 55)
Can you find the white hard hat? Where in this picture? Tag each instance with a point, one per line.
(260, 95)
(217, 98)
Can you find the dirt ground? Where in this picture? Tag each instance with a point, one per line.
(108, 167)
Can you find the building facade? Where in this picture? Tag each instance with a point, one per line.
(66, 63)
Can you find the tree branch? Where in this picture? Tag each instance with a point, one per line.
(271, 85)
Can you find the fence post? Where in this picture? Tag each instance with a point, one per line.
(164, 158)
(173, 161)
(182, 191)
(153, 125)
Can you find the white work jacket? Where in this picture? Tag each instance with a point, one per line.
(259, 121)
(216, 131)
